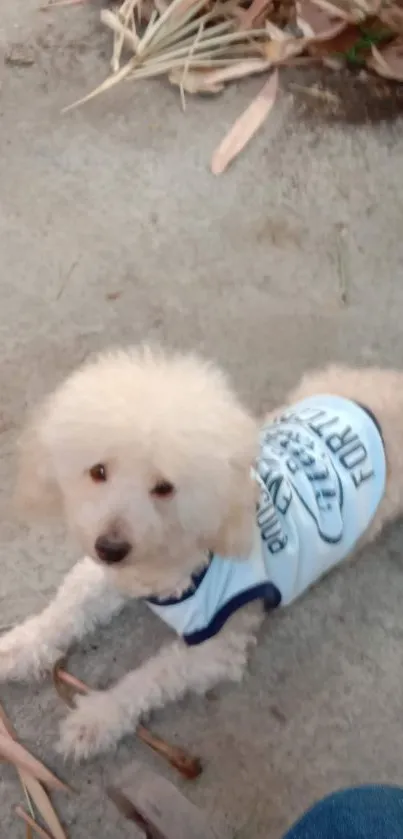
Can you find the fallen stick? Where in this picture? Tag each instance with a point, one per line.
(5, 725)
(34, 791)
(14, 753)
(32, 823)
(189, 766)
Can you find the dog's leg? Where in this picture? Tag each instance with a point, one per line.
(101, 719)
(84, 599)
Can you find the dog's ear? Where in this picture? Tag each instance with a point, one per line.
(235, 535)
(37, 490)
(240, 446)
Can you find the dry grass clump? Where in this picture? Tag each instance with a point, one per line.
(201, 46)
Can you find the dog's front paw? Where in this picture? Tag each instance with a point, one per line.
(95, 726)
(25, 652)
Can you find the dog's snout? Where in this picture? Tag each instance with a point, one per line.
(111, 550)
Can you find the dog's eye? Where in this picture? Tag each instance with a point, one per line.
(98, 473)
(163, 489)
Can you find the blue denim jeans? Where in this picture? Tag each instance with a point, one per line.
(371, 812)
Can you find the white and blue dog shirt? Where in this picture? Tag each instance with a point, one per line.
(321, 471)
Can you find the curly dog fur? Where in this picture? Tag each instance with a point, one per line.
(177, 446)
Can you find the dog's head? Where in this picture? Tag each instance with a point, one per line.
(149, 458)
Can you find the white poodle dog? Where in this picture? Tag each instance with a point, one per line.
(179, 496)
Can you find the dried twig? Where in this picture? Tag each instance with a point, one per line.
(13, 752)
(33, 789)
(190, 767)
(40, 798)
(32, 823)
(124, 35)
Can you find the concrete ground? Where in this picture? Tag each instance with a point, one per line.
(113, 230)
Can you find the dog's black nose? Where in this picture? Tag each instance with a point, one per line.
(110, 550)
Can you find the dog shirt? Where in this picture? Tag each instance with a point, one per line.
(321, 470)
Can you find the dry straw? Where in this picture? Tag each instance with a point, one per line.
(34, 777)
(202, 45)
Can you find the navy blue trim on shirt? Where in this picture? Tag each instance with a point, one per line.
(267, 592)
(374, 419)
(196, 580)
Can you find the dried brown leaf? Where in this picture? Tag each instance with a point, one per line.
(369, 8)
(275, 32)
(245, 126)
(247, 17)
(337, 12)
(212, 81)
(388, 62)
(283, 12)
(329, 34)
(343, 39)
(310, 15)
(161, 6)
(196, 81)
(249, 67)
(392, 17)
(183, 7)
(228, 9)
(278, 52)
